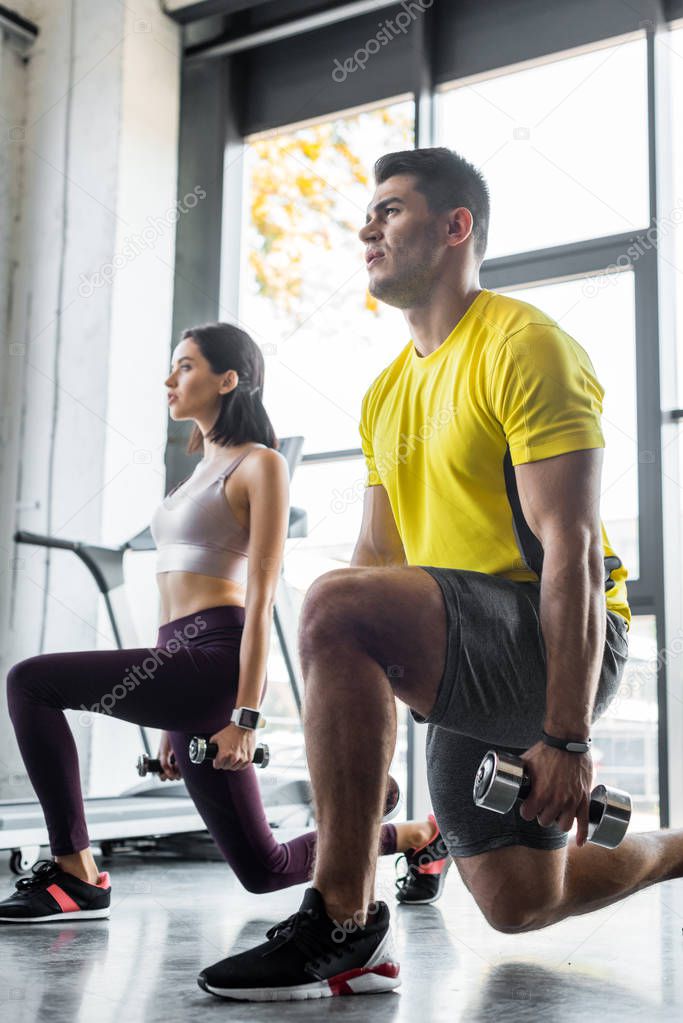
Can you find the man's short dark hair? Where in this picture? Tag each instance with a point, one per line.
(446, 180)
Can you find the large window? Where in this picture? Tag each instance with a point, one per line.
(674, 49)
(562, 130)
(563, 146)
(599, 312)
(303, 292)
(625, 739)
(303, 297)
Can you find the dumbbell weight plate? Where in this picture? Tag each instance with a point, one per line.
(498, 782)
(149, 765)
(609, 816)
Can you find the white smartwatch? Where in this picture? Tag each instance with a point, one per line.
(247, 717)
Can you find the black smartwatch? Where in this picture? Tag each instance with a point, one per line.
(571, 746)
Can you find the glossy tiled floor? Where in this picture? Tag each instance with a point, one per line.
(170, 918)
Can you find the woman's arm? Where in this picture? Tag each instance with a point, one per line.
(268, 496)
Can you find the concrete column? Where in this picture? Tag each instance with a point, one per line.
(86, 339)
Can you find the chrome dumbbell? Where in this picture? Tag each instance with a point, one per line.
(149, 765)
(202, 749)
(502, 781)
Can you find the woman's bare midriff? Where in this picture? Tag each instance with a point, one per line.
(186, 593)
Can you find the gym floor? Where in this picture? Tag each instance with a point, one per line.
(171, 918)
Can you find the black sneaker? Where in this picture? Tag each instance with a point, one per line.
(427, 868)
(309, 955)
(52, 894)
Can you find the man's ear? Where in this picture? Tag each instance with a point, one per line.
(460, 224)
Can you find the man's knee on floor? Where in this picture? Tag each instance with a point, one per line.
(515, 895)
(515, 916)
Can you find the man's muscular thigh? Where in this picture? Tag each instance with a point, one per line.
(395, 614)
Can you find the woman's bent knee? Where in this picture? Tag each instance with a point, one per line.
(19, 681)
(26, 682)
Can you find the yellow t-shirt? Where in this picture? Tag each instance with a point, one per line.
(435, 431)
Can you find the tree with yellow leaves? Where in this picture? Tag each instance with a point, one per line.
(305, 192)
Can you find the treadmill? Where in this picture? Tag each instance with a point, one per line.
(155, 814)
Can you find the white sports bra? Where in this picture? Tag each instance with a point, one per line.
(195, 530)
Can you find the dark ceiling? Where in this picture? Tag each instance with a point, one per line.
(251, 15)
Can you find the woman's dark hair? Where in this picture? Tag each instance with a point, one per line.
(446, 180)
(242, 416)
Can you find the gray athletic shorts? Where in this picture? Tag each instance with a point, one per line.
(492, 694)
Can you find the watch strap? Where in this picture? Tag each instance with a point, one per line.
(570, 745)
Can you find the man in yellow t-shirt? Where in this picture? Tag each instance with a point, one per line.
(483, 592)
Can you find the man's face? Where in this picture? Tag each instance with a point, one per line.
(402, 239)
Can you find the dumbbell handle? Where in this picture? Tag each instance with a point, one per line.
(201, 750)
(149, 765)
(524, 788)
(595, 807)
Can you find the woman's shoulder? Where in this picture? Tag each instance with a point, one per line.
(264, 458)
(263, 462)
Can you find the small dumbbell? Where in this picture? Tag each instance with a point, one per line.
(149, 765)
(502, 781)
(202, 749)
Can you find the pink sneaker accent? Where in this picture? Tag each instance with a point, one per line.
(64, 901)
(435, 867)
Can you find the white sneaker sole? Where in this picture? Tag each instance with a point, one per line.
(373, 979)
(81, 914)
(355, 982)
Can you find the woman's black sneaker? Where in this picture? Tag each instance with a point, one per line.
(309, 955)
(52, 894)
(426, 871)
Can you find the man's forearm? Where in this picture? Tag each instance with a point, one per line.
(572, 613)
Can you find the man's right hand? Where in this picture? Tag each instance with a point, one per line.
(169, 767)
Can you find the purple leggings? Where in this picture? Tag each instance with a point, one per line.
(186, 685)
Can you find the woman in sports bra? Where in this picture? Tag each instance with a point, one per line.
(220, 537)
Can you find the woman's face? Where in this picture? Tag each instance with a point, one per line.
(194, 390)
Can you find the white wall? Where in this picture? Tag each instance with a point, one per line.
(82, 397)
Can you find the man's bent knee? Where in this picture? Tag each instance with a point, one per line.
(326, 611)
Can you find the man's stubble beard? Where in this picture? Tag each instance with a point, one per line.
(413, 283)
